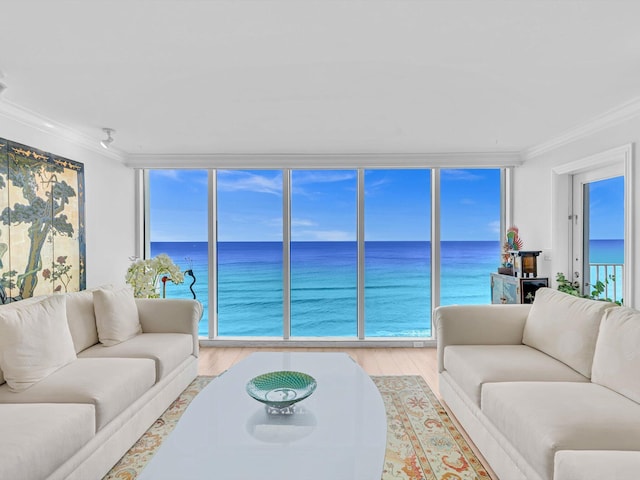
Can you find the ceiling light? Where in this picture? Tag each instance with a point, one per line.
(107, 141)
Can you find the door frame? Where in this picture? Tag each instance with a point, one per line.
(610, 163)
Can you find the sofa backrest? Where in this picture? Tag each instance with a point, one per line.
(616, 362)
(82, 319)
(565, 327)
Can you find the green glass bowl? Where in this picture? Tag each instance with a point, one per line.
(281, 389)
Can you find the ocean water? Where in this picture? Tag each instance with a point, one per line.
(608, 252)
(324, 279)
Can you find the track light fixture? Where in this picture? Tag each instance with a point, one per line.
(107, 141)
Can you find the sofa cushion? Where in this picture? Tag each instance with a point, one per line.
(116, 315)
(541, 418)
(35, 341)
(167, 350)
(471, 366)
(37, 438)
(565, 327)
(596, 465)
(616, 363)
(110, 384)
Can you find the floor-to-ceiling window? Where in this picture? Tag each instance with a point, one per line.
(469, 234)
(249, 252)
(325, 253)
(178, 226)
(397, 253)
(324, 256)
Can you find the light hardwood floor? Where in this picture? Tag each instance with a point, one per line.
(374, 361)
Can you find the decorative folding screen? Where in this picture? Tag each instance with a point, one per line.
(42, 244)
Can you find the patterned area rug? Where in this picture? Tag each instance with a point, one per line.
(422, 442)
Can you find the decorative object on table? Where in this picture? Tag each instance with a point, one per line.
(189, 272)
(145, 275)
(512, 242)
(416, 423)
(525, 263)
(42, 239)
(280, 390)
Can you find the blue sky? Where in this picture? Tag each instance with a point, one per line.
(324, 205)
(606, 209)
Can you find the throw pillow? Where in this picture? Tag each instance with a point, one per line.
(35, 341)
(82, 318)
(20, 304)
(616, 362)
(116, 315)
(565, 327)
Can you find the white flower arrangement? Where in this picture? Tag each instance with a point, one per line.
(144, 275)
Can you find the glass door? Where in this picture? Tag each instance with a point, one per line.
(598, 233)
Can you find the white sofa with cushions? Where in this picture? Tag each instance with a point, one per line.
(83, 375)
(549, 391)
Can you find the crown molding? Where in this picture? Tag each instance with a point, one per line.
(337, 160)
(48, 126)
(608, 119)
(622, 154)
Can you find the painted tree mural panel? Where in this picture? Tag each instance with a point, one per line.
(42, 245)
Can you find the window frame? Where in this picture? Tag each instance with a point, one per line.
(504, 162)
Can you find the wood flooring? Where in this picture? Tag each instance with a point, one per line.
(374, 361)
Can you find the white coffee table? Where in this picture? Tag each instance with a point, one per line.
(338, 433)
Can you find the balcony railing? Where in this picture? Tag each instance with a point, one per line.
(611, 275)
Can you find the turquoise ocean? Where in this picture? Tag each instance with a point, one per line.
(323, 284)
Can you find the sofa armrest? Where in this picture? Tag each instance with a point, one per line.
(478, 325)
(595, 464)
(170, 315)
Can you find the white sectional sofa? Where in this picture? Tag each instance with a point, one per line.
(71, 406)
(549, 391)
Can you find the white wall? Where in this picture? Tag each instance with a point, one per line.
(109, 201)
(542, 206)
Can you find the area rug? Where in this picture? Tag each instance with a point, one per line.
(422, 441)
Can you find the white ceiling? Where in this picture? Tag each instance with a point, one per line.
(302, 76)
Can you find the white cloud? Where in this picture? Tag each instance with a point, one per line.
(324, 235)
(461, 175)
(233, 181)
(303, 177)
(494, 226)
(172, 174)
(301, 222)
(272, 222)
(371, 187)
